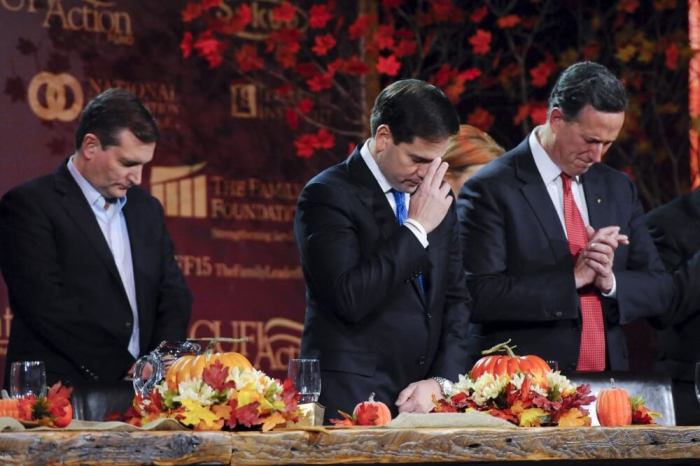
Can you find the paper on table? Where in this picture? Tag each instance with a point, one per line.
(471, 418)
(10, 424)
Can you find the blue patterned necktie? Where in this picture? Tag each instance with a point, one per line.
(401, 216)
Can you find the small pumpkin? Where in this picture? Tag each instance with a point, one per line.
(510, 363)
(10, 408)
(371, 413)
(614, 407)
(192, 366)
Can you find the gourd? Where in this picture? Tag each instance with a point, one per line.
(614, 407)
(191, 366)
(372, 413)
(510, 364)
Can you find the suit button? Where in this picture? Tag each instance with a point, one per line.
(558, 314)
(421, 361)
(127, 324)
(428, 315)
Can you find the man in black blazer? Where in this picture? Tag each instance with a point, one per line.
(88, 263)
(386, 303)
(675, 229)
(522, 273)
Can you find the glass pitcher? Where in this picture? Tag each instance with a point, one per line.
(150, 369)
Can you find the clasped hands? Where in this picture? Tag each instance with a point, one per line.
(594, 263)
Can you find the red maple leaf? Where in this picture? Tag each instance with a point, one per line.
(352, 66)
(481, 42)
(305, 145)
(319, 15)
(235, 24)
(248, 415)
(247, 58)
(284, 13)
(322, 44)
(479, 14)
(591, 51)
(509, 21)
(324, 139)
(307, 70)
(628, 6)
(320, 82)
(215, 376)
(210, 48)
(391, 3)
(538, 113)
(540, 74)
(672, 53)
(232, 421)
(209, 4)
(305, 105)
(523, 112)
(442, 9)
(443, 75)
(345, 420)
(191, 12)
(470, 74)
(481, 118)
(186, 44)
(292, 119)
(384, 37)
(405, 47)
(368, 415)
(389, 66)
(360, 27)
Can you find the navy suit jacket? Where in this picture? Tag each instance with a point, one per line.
(69, 305)
(675, 228)
(367, 319)
(520, 271)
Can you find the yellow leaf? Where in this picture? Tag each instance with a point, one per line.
(531, 417)
(517, 407)
(223, 411)
(574, 418)
(625, 54)
(272, 421)
(248, 395)
(196, 414)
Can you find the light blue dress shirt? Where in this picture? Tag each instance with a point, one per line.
(111, 219)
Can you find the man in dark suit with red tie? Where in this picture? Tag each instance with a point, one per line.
(89, 266)
(378, 237)
(556, 250)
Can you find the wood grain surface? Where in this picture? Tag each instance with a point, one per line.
(348, 446)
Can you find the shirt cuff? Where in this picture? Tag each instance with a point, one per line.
(613, 291)
(418, 230)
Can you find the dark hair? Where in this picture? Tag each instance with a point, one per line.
(413, 108)
(587, 83)
(113, 111)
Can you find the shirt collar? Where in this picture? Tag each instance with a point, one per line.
(93, 196)
(549, 171)
(373, 167)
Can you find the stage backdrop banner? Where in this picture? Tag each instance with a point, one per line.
(226, 170)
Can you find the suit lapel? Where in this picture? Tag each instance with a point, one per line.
(371, 195)
(600, 213)
(77, 208)
(537, 196)
(134, 226)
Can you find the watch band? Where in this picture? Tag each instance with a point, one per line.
(445, 385)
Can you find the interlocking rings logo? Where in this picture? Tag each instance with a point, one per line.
(60, 90)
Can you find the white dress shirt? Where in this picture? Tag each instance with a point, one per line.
(111, 219)
(551, 176)
(412, 224)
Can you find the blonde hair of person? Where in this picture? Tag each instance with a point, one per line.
(468, 151)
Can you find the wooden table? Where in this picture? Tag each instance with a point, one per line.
(375, 445)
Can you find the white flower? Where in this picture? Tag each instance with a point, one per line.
(487, 387)
(197, 390)
(555, 379)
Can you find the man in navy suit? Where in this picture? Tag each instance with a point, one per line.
(378, 237)
(88, 263)
(556, 249)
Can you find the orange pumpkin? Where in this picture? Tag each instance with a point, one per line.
(371, 413)
(10, 408)
(509, 364)
(190, 366)
(614, 407)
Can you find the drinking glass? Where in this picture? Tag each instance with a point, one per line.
(27, 378)
(697, 381)
(554, 364)
(306, 375)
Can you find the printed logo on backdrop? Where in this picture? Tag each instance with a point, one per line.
(62, 97)
(254, 101)
(55, 96)
(262, 23)
(269, 344)
(93, 16)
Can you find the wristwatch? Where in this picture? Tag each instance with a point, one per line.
(445, 385)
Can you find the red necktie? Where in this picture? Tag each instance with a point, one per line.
(591, 356)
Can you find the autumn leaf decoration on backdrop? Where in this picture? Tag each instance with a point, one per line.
(496, 61)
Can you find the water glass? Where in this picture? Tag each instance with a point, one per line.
(27, 378)
(554, 364)
(306, 375)
(697, 381)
